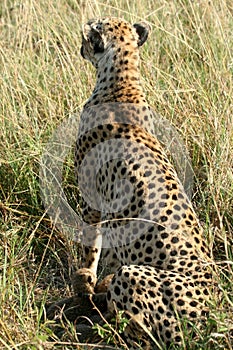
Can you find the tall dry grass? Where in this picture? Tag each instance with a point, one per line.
(187, 68)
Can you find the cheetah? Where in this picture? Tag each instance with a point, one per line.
(137, 217)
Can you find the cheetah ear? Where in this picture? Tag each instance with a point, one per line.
(143, 30)
(93, 35)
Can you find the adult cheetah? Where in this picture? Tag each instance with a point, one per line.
(136, 213)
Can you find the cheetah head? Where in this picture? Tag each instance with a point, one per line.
(103, 35)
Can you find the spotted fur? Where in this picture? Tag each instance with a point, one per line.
(133, 199)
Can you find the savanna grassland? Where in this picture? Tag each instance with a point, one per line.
(187, 72)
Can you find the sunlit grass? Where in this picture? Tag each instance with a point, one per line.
(187, 68)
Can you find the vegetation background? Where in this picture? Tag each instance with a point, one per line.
(187, 72)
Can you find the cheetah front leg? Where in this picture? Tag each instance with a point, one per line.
(85, 278)
(92, 249)
(91, 238)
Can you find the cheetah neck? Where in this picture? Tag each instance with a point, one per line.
(118, 79)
